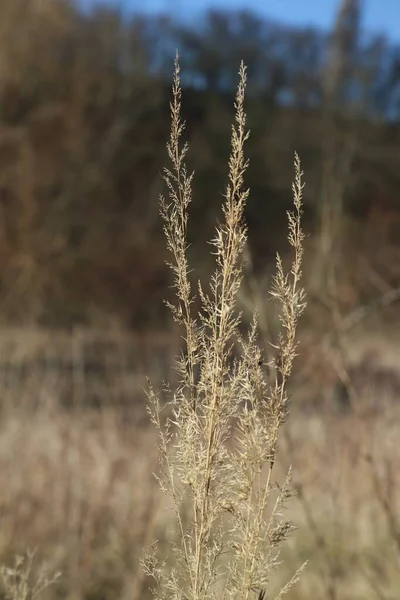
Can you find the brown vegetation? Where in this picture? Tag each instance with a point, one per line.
(83, 123)
(84, 105)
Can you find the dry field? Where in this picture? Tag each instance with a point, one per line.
(77, 485)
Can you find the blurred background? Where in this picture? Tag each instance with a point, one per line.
(84, 95)
(84, 118)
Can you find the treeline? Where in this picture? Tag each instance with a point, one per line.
(84, 116)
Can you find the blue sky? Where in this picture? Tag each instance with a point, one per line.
(380, 16)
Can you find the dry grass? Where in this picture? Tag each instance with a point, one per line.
(219, 443)
(79, 488)
(78, 484)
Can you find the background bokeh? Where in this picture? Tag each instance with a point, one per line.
(84, 117)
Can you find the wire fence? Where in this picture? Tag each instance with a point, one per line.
(83, 368)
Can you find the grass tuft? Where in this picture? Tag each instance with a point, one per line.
(219, 442)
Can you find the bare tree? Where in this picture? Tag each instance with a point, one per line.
(339, 135)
